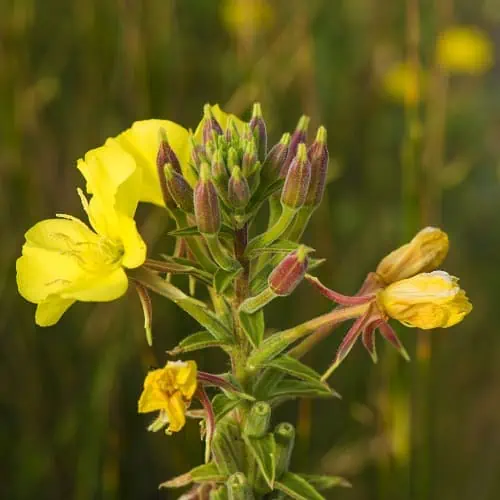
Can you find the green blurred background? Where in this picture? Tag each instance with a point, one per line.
(73, 73)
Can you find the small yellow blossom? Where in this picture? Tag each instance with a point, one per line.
(427, 300)
(63, 260)
(242, 16)
(403, 83)
(424, 253)
(169, 390)
(464, 49)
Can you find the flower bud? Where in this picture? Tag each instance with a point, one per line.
(198, 153)
(257, 421)
(233, 159)
(286, 276)
(318, 156)
(231, 133)
(238, 487)
(297, 180)
(275, 159)
(238, 192)
(249, 159)
(206, 203)
(210, 125)
(166, 154)
(258, 128)
(423, 253)
(284, 436)
(179, 189)
(219, 171)
(298, 137)
(426, 301)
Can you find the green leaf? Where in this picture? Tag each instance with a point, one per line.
(186, 231)
(314, 263)
(203, 473)
(223, 279)
(262, 194)
(297, 487)
(197, 341)
(278, 247)
(266, 381)
(264, 451)
(292, 388)
(322, 482)
(223, 405)
(253, 326)
(295, 368)
(259, 280)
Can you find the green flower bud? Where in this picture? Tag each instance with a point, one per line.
(318, 156)
(258, 128)
(238, 487)
(284, 436)
(257, 421)
(287, 275)
(275, 159)
(231, 133)
(179, 189)
(238, 192)
(233, 159)
(249, 159)
(206, 203)
(297, 180)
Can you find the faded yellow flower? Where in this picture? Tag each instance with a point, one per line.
(464, 49)
(424, 253)
(169, 390)
(427, 300)
(403, 83)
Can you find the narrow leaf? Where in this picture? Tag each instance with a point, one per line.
(147, 309)
(322, 482)
(297, 487)
(223, 405)
(264, 451)
(197, 341)
(200, 474)
(291, 388)
(186, 231)
(223, 279)
(253, 326)
(295, 368)
(278, 247)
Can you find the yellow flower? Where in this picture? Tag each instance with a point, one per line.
(169, 390)
(403, 83)
(423, 253)
(427, 300)
(242, 16)
(142, 141)
(63, 260)
(464, 49)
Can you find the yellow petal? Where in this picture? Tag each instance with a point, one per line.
(49, 311)
(102, 287)
(176, 411)
(133, 245)
(152, 397)
(142, 141)
(186, 379)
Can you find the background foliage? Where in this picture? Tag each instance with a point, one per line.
(74, 73)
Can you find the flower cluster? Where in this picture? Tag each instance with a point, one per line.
(212, 184)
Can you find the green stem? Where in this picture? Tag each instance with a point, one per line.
(296, 230)
(253, 304)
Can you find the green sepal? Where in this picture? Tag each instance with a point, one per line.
(223, 279)
(264, 452)
(278, 247)
(253, 325)
(201, 474)
(315, 263)
(292, 388)
(222, 405)
(294, 367)
(323, 482)
(197, 341)
(297, 487)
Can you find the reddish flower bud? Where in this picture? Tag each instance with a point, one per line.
(210, 125)
(275, 159)
(318, 156)
(231, 133)
(238, 192)
(206, 203)
(298, 137)
(297, 180)
(166, 154)
(285, 278)
(179, 189)
(258, 128)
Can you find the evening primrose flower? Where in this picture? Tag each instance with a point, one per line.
(63, 260)
(426, 301)
(464, 49)
(425, 252)
(169, 390)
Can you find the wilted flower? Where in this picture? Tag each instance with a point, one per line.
(427, 300)
(64, 260)
(169, 390)
(423, 253)
(464, 49)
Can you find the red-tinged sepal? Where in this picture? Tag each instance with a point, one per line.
(209, 420)
(344, 300)
(390, 335)
(368, 339)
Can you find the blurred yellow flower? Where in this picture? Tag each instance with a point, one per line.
(401, 83)
(427, 300)
(244, 15)
(464, 49)
(169, 390)
(63, 260)
(423, 253)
